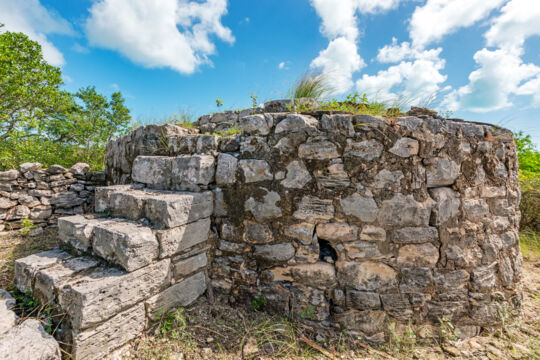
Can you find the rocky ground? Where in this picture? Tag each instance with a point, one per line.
(217, 331)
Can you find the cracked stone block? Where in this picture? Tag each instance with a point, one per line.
(404, 210)
(170, 210)
(255, 170)
(415, 235)
(274, 253)
(366, 275)
(178, 239)
(405, 147)
(447, 204)
(312, 208)
(302, 231)
(319, 275)
(361, 207)
(337, 231)
(418, 255)
(265, 209)
(77, 231)
(226, 169)
(368, 150)
(154, 171)
(192, 170)
(26, 268)
(297, 175)
(184, 267)
(442, 172)
(297, 123)
(323, 150)
(258, 124)
(256, 233)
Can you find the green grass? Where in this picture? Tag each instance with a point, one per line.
(313, 86)
(530, 244)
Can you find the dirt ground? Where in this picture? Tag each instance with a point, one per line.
(218, 331)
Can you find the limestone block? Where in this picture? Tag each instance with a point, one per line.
(181, 238)
(105, 292)
(361, 207)
(29, 341)
(40, 212)
(66, 199)
(79, 169)
(368, 322)
(274, 253)
(446, 280)
(96, 343)
(220, 205)
(184, 267)
(297, 123)
(18, 212)
(405, 147)
(322, 150)
(127, 244)
(415, 280)
(366, 150)
(446, 207)
(442, 172)
(362, 250)
(404, 210)
(366, 276)
(76, 231)
(226, 169)
(388, 179)
(265, 209)
(258, 124)
(476, 209)
(127, 204)
(415, 235)
(26, 268)
(302, 231)
(6, 203)
(297, 175)
(418, 255)
(174, 209)
(255, 170)
(9, 175)
(493, 191)
(256, 233)
(397, 306)
(362, 300)
(189, 170)
(337, 231)
(314, 209)
(154, 171)
(8, 319)
(319, 275)
(181, 294)
(338, 123)
(484, 277)
(372, 233)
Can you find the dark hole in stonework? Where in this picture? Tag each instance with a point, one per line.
(326, 252)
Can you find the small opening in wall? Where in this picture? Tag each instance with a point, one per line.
(326, 252)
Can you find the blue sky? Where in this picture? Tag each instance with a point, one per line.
(477, 58)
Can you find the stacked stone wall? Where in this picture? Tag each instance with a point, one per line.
(43, 195)
(348, 220)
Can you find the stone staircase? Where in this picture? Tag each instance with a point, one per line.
(144, 252)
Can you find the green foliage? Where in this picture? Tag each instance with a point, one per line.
(219, 103)
(26, 226)
(228, 132)
(254, 98)
(528, 155)
(356, 104)
(314, 86)
(308, 313)
(529, 179)
(258, 303)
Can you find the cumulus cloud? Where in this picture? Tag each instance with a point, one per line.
(36, 21)
(169, 33)
(398, 52)
(340, 25)
(437, 18)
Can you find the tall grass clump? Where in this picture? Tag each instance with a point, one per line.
(313, 86)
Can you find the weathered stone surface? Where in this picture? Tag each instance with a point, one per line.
(95, 343)
(484, 277)
(361, 207)
(255, 170)
(476, 209)
(366, 275)
(334, 176)
(265, 209)
(313, 209)
(76, 231)
(319, 275)
(297, 123)
(337, 231)
(104, 292)
(388, 179)
(297, 175)
(226, 169)
(464, 257)
(184, 267)
(362, 250)
(363, 300)
(66, 199)
(174, 209)
(257, 124)
(126, 244)
(368, 322)
(404, 210)
(372, 233)
(9, 175)
(26, 268)
(415, 280)
(338, 123)
(79, 169)
(127, 204)
(274, 253)
(446, 205)
(302, 231)
(6, 203)
(405, 147)
(154, 171)
(442, 172)
(256, 233)
(418, 255)
(8, 319)
(56, 169)
(29, 341)
(367, 150)
(322, 150)
(181, 294)
(415, 235)
(18, 212)
(181, 238)
(191, 170)
(397, 306)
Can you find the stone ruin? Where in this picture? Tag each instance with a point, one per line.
(349, 221)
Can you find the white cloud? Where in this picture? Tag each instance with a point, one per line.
(437, 18)
(147, 32)
(36, 21)
(340, 59)
(282, 65)
(398, 52)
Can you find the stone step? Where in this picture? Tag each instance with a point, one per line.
(164, 209)
(104, 307)
(184, 172)
(127, 243)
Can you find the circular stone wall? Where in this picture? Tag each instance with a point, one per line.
(354, 221)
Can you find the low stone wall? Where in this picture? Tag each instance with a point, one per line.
(43, 195)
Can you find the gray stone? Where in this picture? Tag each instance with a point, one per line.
(506, 271)
(418, 255)
(388, 179)
(405, 147)
(415, 235)
(6, 203)
(476, 209)
(274, 253)
(367, 150)
(266, 209)
(361, 207)
(404, 210)
(286, 105)
(191, 170)
(258, 124)
(174, 209)
(313, 209)
(66, 199)
(26, 268)
(9, 175)
(226, 169)
(451, 280)
(18, 212)
(363, 300)
(337, 232)
(338, 124)
(104, 292)
(297, 175)
(322, 150)
(397, 306)
(181, 294)
(493, 191)
(366, 276)
(79, 169)
(446, 205)
(220, 205)
(178, 239)
(8, 318)
(29, 341)
(126, 244)
(372, 233)
(415, 280)
(56, 169)
(255, 170)
(319, 275)
(184, 267)
(154, 171)
(369, 322)
(98, 342)
(24, 167)
(297, 123)
(76, 231)
(442, 172)
(464, 257)
(256, 233)
(127, 204)
(302, 231)
(484, 277)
